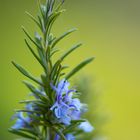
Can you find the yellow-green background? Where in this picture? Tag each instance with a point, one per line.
(109, 29)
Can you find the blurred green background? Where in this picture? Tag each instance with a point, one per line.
(109, 29)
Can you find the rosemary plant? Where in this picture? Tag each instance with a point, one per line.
(55, 113)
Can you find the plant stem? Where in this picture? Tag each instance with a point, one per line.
(48, 134)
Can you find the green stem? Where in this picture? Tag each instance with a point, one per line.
(48, 134)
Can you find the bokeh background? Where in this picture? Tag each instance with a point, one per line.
(109, 29)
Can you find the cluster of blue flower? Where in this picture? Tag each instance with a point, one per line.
(65, 109)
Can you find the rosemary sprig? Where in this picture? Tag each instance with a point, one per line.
(39, 119)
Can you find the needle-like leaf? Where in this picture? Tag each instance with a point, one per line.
(32, 40)
(62, 36)
(24, 72)
(23, 134)
(78, 67)
(70, 51)
(34, 19)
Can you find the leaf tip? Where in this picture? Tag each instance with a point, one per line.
(13, 62)
(23, 28)
(26, 12)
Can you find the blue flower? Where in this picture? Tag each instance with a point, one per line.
(86, 127)
(25, 121)
(66, 108)
(68, 137)
(22, 121)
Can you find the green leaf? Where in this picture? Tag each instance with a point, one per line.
(59, 5)
(50, 6)
(40, 8)
(78, 121)
(33, 132)
(41, 23)
(54, 69)
(36, 92)
(29, 111)
(20, 133)
(62, 36)
(51, 20)
(30, 86)
(74, 124)
(51, 38)
(78, 67)
(59, 133)
(65, 67)
(57, 64)
(70, 51)
(57, 76)
(70, 128)
(32, 40)
(37, 102)
(34, 54)
(34, 19)
(53, 52)
(27, 101)
(43, 58)
(37, 119)
(27, 74)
